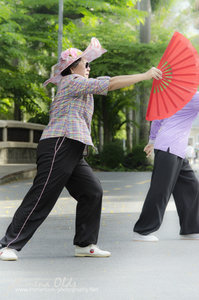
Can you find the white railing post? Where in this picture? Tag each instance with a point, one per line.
(5, 134)
(31, 136)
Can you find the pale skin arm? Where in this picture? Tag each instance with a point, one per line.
(119, 82)
(149, 149)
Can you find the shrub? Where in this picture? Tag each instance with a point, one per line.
(93, 160)
(40, 118)
(136, 158)
(112, 155)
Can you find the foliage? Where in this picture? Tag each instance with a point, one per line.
(136, 159)
(40, 117)
(155, 4)
(174, 15)
(4, 105)
(112, 155)
(113, 158)
(28, 43)
(24, 51)
(28, 35)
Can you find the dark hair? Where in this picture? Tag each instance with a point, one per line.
(67, 71)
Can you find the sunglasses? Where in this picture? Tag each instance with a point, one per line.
(87, 65)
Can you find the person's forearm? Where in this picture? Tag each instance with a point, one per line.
(119, 82)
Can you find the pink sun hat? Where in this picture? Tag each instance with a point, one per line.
(69, 56)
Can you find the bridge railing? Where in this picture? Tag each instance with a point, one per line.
(18, 141)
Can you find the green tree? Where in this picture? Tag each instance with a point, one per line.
(24, 52)
(28, 40)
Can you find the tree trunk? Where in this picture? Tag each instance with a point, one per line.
(105, 116)
(144, 124)
(145, 30)
(136, 119)
(145, 37)
(18, 116)
(17, 112)
(101, 135)
(60, 30)
(129, 117)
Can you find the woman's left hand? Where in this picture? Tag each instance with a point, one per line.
(148, 149)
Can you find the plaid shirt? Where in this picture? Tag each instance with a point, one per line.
(71, 111)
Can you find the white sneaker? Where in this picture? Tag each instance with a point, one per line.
(144, 238)
(91, 250)
(8, 254)
(192, 236)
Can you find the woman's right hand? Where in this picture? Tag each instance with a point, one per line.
(153, 73)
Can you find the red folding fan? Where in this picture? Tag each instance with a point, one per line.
(180, 79)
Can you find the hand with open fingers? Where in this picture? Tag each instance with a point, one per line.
(148, 149)
(154, 73)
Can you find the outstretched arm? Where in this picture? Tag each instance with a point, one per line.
(119, 82)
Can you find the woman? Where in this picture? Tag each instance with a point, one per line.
(60, 161)
(172, 174)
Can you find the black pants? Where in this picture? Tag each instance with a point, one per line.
(171, 175)
(69, 170)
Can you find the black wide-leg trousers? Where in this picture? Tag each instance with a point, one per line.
(60, 164)
(171, 175)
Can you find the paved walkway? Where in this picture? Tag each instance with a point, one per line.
(7, 169)
(13, 172)
(47, 268)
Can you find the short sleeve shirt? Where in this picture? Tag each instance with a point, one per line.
(71, 111)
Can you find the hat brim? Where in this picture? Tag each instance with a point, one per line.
(92, 52)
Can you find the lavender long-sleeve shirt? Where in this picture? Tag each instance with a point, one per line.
(173, 132)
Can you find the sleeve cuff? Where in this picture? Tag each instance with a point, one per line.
(105, 81)
(151, 141)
